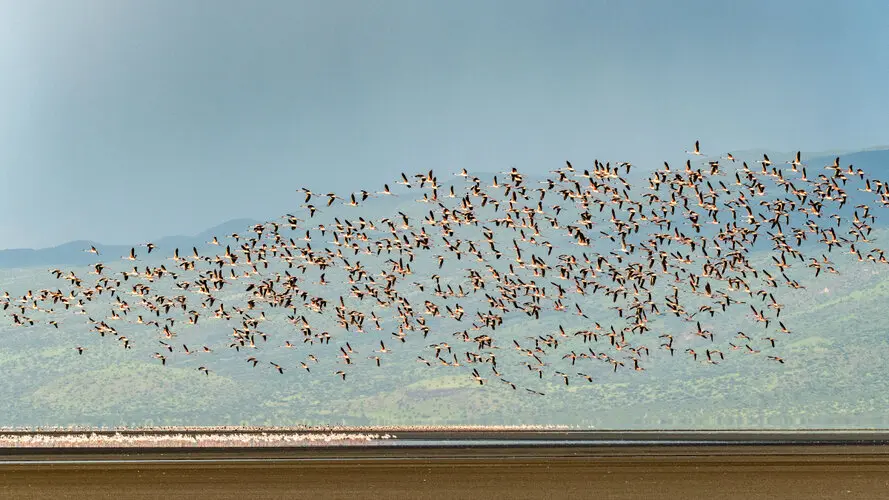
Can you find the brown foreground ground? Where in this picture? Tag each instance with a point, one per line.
(603, 472)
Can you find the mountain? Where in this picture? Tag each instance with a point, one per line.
(875, 162)
(781, 155)
(73, 253)
(832, 375)
(834, 343)
(199, 240)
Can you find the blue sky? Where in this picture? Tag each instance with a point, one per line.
(123, 121)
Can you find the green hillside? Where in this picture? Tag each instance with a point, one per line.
(834, 375)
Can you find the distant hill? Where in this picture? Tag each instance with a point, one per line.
(834, 347)
(874, 161)
(73, 254)
(781, 155)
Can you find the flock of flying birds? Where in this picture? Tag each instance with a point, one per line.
(608, 265)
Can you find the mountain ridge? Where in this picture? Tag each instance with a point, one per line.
(873, 160)
(74, 252)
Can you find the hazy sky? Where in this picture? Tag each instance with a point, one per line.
(127, 120)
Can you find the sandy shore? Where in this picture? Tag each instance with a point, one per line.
(735, 472)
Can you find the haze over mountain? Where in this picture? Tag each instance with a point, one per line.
(875, 161)
(72, 252)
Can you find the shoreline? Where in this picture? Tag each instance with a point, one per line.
(423, 438)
